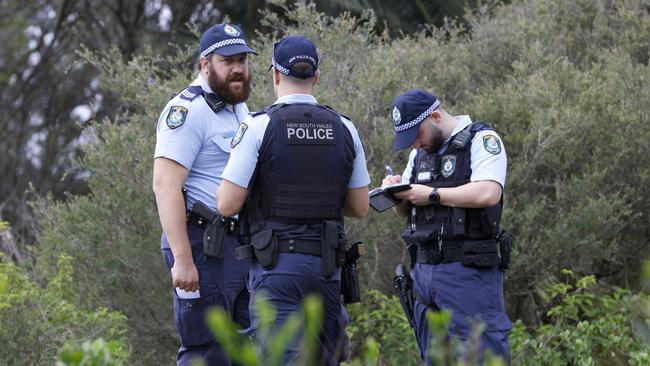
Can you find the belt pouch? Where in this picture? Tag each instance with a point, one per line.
(214, 237)
(329, 243)
(265, 244)
(480, 254)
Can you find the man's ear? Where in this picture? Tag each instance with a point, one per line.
(204, 63)
(276, 76)
(436, 117)
(315, 78)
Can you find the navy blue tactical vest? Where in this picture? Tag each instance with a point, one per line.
(304, 166)
(452, 168)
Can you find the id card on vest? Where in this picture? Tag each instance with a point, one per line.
(309, 132)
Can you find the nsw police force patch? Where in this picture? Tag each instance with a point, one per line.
(448, 163)
(176, 116)
(492, 144)
(238, 135)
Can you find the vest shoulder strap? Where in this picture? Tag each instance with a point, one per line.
(461, 140)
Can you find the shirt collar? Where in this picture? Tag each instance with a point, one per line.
(203, 83)
(463, 121)
(240, 109)
(296, 98)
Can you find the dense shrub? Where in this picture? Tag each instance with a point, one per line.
(37, 320)
(589, 324)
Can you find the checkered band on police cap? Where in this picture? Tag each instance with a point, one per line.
(408, 111)
(224, 39)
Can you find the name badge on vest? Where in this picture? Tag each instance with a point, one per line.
(426, 170)
(310, 132)
(448, 163)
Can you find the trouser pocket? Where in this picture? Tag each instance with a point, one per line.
(190, 318)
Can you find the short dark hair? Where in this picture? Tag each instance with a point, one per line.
(208, 56)
(303, 68)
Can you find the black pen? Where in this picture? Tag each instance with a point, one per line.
(389, 170)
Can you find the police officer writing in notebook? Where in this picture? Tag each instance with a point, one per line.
(457, 170)
(192, 148)
(301, 167)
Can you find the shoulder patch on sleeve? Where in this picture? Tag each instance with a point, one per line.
(238, 135)
(492, 144)
(176, 116)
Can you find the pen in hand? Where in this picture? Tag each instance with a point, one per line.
(389, 170)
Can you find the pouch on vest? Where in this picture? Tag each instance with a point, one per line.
(418, 237)
(329, 244)
(265, 245)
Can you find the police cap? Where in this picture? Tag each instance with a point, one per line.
(224, 39)
(291, 50)
(408, 111)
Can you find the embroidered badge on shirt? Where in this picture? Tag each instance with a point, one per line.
(492, 144)
(239, 134)
(448, 165)
(176, 116)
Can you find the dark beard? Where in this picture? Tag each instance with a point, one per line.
(222, 89)
(436, 141)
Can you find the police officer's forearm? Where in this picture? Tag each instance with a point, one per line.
(171, 209)
(356, 202)
(230, 198)
(471, 195)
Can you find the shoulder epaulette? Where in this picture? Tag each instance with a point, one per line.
(191, 92)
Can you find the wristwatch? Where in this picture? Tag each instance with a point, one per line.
(434, 198)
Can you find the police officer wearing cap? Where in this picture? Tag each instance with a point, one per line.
(193, 139)
(457, 171)
(301, 167)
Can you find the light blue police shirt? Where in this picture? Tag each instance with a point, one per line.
(485, 165)
(243, 159)
(201, 144)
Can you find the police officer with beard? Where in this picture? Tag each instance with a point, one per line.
(457, 171)
(302, 167)
(194, 133)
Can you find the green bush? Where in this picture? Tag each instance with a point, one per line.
(35, 321)
(382, 318)
(589, 324)
(95, 353)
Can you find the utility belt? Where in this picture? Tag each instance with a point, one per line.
(265, 246)
(196, 219)
(216, 227)
(481, 253)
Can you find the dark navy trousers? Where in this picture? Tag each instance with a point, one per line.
(285, 286)
(469, 293)
(222, 283)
